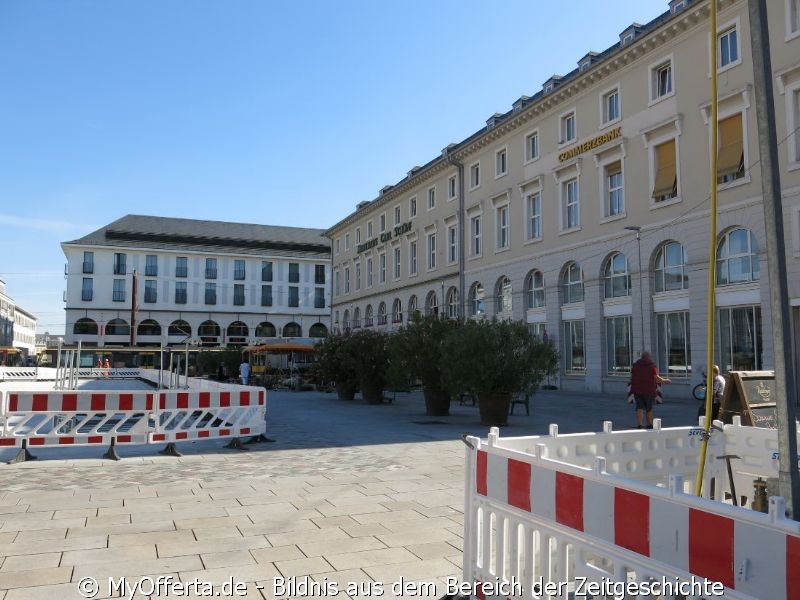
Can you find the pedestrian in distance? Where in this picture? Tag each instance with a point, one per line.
(107, 366)
(244, 371)
(644, 387)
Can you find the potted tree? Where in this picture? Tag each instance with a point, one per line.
(369, 357)
(415, 355)
(337, 365)
(495, 359)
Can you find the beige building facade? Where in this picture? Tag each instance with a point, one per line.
(585, 209)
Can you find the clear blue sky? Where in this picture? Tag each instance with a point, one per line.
(256, 111)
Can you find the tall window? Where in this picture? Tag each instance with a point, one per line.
(347, 280)
(574, 352)
(477, 305)
(294, 272)
(181, 266)
(336, 283)
(397, 311)
(730, 158)
(397, 215)
(382, 268)
(452, 190)
(356, 318)
(180, 292)
(661, 80)
(119, 263)
(357, 267)
(452, 303)
(534, 289)
(266, 295)
(670, 268)
(452, 243)
(211, 293)
(382, 313)
(740, 338)
(728, 47)
(673, 354)
(571, 208)
(358, 235)
(615, 196)
(412, 257)
(502, 227)
(396, 263)
(88, 262)
(118, 292)
(532, 146)
(294, 296)
(412, 211)
(87, 289)
(503, 297)
(211, 268)
(383, 222)
(619, 345)
(572, 284)
(150, 294)
(475, 232)
(568, 128)
(368, 318)
(266, 270)
(616, 277)
(611, 106)
(501, 162)
(475, 175)
(319, 274)
(346, 242)
(369, 272)
(238, 294)
(665, 184)
(238, 270)
(412, 306)
(793, 21)
(737, 257)
(431, 304)
(431, 251)
(431, 198)
(151, 265)
(533, 214)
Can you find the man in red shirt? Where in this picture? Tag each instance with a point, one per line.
(644, 382)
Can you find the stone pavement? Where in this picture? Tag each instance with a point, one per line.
(347, 494)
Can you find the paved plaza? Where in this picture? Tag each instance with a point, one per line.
(348, 494)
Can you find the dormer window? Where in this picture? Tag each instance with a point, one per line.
(677, 6)
(629, 34)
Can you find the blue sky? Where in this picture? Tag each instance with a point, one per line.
(255, 111)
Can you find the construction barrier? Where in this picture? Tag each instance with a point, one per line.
(608, 514)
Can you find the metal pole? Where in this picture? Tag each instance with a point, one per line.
(785, 384)
(641, 286)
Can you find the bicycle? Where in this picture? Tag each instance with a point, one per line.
(699, 391)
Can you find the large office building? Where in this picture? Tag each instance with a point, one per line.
(17, 329)
(146, 280)
(584, 210)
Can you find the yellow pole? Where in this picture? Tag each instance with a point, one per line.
(712, 257)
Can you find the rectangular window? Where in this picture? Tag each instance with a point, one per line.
(397, 215)
(337, 245)
(369, 272)
(532, 146)
(740, 338)
(383, 223)
(533, 207)
(118, 293)
(431, 251)
(500, 163)
(294, 296)
(501, 217)
(86, 289)
(672, 345)
(730, 159)
(619, 345)
(358, 276)
(431, 198)
(180, 292)
(396, 263)
(475, 232)
(119, 263)
(728, 47)
(88, 262)
(661, 84)
(574, 355)
(238, 270)
(266, 270)
(475, 175)
(382, 268)
(412, 208)
(568, 128)
(211, 268)
(319, 297)
(358, 235)
(452, 244)
(336, 283)
(346, 242)
(369, 230)
(452, 189)
(181, 266)
(793, 24)
(571, 207)
(611, 106)
(347, 280)
(150, 291)
(151, 265)
(211, 293)
(615, 197)
(238, 294)
(266, 295)
(665, 185)
(319, 274)
(412, 257)
(294, 272)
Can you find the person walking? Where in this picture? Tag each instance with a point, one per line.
(244, 371)
(644, 387)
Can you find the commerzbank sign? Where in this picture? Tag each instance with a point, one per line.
(384, 237)
(592, 143)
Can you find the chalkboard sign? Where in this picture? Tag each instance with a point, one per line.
(751, 395)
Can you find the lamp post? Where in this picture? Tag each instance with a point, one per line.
(638, 231)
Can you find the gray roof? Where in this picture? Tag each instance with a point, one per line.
(205, 236)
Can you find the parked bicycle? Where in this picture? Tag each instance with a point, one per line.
(699, 391)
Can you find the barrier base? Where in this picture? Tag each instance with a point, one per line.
(259, 439)
(22, 455)
(235, 444)
(111, 453)
(170, 450)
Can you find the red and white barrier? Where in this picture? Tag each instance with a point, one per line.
(533, 519)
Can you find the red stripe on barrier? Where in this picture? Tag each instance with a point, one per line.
(159, 437)
(183, 400)
(519, 484)
(224, 432)
(244, 431)
(149, 402)
(181, 435)
(711, 546)
(569, 500)
(66, 440)
(204, 400)
(632, 521)
(95, 439)
(480, 593)
(13, 400)
(69, 402)
(126, 401)
(261, 398)
(792, 572)
(224, 398)
(39, 403)
(98, 402)
(124, 439)
(7, 442)
(203, 434)
(244, 398)
(36, 441)
(162, 401)
(480, 475)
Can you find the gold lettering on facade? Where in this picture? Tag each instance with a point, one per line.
(588, 145)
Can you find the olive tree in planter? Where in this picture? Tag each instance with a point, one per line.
(370, 357)
(495, 360)
(336, 363)
(415, 353)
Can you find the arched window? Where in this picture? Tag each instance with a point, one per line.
(266, 329)
(534, 289)
(452, 303)
(118, 327)
(412, 307)
(571, 283)
(291, 330)
(180, 327)
(368, 320)
(476, 300)
(356, 317)
(208, 328)
(502, 296)
(148, 327)
(84, 327)
(670, 268)
(317, 330)
(737, 257)
(397, 311)
(238, 330)
(431, 304)
(346, 320)
(616, 277)
(382, 313)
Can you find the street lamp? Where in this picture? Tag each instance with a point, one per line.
(638, 231)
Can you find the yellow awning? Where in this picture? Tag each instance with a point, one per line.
(731, 147)
(666, 174)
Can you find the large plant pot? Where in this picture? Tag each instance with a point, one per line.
(345, 392)
(437, 402)
(371, 393)
(494, 407)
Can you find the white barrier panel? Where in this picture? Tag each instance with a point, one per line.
(17, 373)
(533, 521)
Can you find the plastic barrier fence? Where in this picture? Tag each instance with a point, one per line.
(537, 526)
